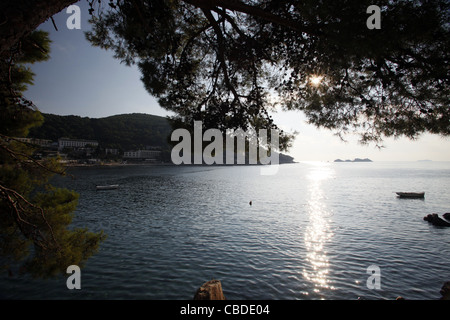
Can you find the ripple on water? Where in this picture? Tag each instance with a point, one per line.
(311, 233)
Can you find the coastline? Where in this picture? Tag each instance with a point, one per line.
(114, 164)
(165, 164)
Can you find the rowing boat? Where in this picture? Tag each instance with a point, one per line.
(107, 187)
(411, 194)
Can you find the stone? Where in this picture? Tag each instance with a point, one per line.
(435, 220)
(445, 291)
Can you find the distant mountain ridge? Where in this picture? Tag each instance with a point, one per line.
(124, 131)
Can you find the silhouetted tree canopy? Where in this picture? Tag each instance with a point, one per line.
(228, 63)
(18, 18)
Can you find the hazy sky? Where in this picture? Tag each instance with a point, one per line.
(83, 80)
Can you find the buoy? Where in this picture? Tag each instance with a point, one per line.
(250, 203)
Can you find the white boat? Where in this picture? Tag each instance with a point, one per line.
(107, 187)
(411, 194)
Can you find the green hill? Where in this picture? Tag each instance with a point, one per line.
(125, 131)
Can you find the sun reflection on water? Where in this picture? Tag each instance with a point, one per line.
(318, 231)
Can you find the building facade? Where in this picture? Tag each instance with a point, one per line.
(38, 142)
(76, 143)
(142, 154)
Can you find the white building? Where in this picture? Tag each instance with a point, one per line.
(111, 151)
(142, 154)
(75, 143)
(39, 142)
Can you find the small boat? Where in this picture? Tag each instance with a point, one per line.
(107, 187)
(414, 195)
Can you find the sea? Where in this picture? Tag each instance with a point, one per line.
(310, 231)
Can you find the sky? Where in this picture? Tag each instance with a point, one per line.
(83, 80)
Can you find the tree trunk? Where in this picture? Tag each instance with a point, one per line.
(20, 17)
(211, 290)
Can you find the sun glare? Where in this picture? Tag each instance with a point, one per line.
(315, 80)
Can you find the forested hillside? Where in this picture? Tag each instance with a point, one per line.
(126, 131)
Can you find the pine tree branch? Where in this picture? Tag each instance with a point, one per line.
(21, 206)
(16, 155)
(236, 5)
(220, 52)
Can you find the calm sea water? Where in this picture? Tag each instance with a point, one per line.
(312, 232)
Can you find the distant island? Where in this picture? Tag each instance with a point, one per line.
(354, 160)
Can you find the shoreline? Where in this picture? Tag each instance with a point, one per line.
(83, 165)
(74, 163)
(116, 164)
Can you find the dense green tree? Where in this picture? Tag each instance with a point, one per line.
(34, 216)
(229, 62)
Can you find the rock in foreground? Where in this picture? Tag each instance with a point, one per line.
(435, 220)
